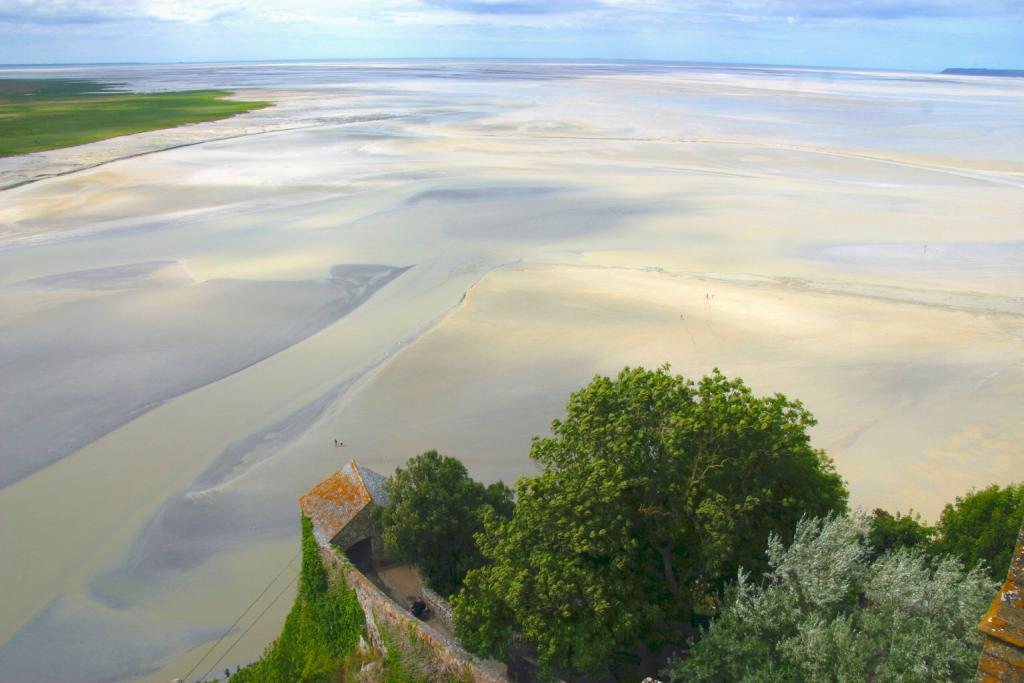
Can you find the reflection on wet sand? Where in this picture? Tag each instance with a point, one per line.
(156, 331)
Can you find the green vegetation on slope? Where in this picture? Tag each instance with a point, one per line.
(412, 660)
(41, 114)
(320, 632)
(434, 511)
(319, 642)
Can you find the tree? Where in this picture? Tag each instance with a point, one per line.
(888, 532)
(825, 612)
(982, 527)
(653, 491)
(434, 510)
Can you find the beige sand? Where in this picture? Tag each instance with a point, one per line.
(861, 237)
(914, 400)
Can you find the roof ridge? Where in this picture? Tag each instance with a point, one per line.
(359, 476)
(335, 501)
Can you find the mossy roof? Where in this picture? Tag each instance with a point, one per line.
(335, 501)
(1005, 618)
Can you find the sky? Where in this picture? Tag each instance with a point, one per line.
(922, 35)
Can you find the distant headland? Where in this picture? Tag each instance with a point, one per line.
(1012, 73)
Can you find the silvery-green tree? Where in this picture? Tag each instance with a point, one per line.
(825, 612)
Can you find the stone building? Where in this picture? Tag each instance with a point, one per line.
(343, 509)
(1002, 656)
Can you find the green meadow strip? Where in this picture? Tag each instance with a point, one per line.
(41, 114)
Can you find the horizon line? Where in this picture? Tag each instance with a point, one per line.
(607, 60)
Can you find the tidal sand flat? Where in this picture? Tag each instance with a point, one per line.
(801, 228)
(882, 375)
(87, 351)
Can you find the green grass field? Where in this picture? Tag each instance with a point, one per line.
(41, 114)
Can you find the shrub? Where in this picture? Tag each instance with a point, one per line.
(825, 612)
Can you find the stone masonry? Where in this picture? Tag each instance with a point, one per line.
(343, 510)
(381, 611)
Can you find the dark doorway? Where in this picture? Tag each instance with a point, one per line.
(361, 555)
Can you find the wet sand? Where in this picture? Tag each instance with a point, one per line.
(155, 330)
(184, 355)
(904, 391)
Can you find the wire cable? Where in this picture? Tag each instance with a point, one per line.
(240, 617)
(255, 621)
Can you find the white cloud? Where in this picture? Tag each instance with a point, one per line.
(95, 11)
(186, 11)
(882, 9)
(498, 12)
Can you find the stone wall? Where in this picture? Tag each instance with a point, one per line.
(383, 612)
(363, 525)
(1002, 657)
(440, 607)
(366, 524)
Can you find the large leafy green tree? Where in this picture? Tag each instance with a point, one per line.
(825, 612)
(982, 526)
(434, 511)
(654, 491)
